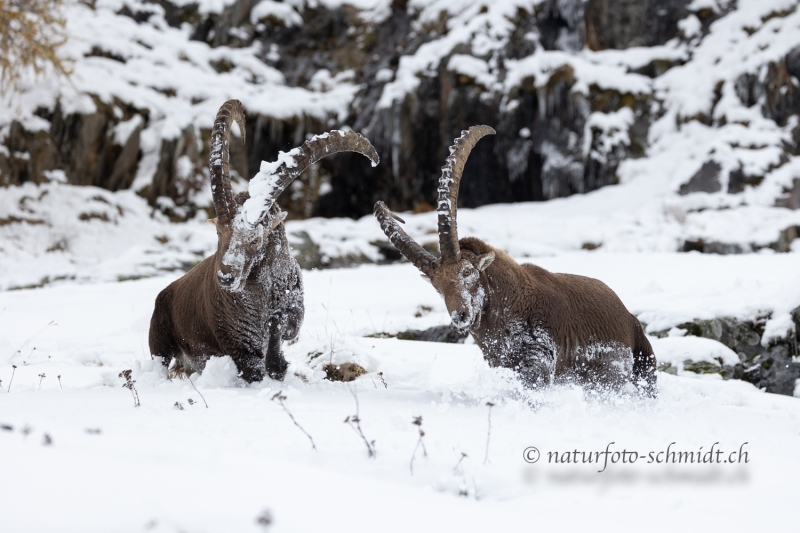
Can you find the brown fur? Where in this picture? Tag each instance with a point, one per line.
(244, 300)
(547, 327)
(196, 318)
(570, 314)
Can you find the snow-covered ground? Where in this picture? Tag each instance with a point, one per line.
(110, 466)
(64, 234)
(113, 467)
(78, 456)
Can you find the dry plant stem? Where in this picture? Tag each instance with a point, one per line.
(24, 344)
(13, 371)
(197, 391)
(460, 460)
(41, 377)
(135, 396)
(488, 432)
(265, 519)
(355, 423)
(129, 384)
(280, 399)
(418, 422)
(59, 382)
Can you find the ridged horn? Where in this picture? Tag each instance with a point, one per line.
(275, 177)
(419, 256)
(448, 188)
(219, 160)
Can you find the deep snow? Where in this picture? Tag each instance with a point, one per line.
(158, 468)
(113, 467)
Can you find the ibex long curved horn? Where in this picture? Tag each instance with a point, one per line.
(412, 251)
(273, 178)
(448, 188)
(219, 161)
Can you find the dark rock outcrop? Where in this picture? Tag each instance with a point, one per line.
(545, 148)
(704, 180)
(791, 197)
(783, 244)
(537, 155)
(776, 90)
(628, 23)
(772, 368)
(88, 148)
(447, 334)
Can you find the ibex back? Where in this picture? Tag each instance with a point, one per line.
(547, 327)
(246, 298)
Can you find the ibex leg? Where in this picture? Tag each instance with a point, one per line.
(644, 363)
(161, 338)
(275, 362)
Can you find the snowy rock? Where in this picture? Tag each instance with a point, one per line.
(411, 77)
(448, 334)
(762, 352)
(704, 180)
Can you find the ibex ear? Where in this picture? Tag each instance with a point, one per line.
(280, 217)
(213, 221)
(485, 260)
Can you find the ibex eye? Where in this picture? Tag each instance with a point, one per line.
(467, 272)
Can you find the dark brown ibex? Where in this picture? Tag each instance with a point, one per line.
(548, 327)
(247, 298)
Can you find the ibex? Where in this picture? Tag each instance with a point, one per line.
(548, 327)
(246, 298)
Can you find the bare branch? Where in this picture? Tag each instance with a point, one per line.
(355, 423)
(197, 391)
(129, 384)
(31, 32)
(418, 422)
(280, 398)
(488, 432)
(13, 371)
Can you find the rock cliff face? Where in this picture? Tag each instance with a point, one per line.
(417, 76)
(84, 146)
(416, 84)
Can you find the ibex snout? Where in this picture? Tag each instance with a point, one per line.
(225, 276)
(461, 319)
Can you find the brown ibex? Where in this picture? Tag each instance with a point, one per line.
(548, 327)
(246, 298)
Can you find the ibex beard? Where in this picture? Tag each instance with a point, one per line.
(547, 327)
(247, 298)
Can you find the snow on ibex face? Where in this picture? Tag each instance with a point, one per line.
(247, 246)
(464, 295)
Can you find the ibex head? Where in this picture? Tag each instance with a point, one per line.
(457, 275)
(245, 223)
